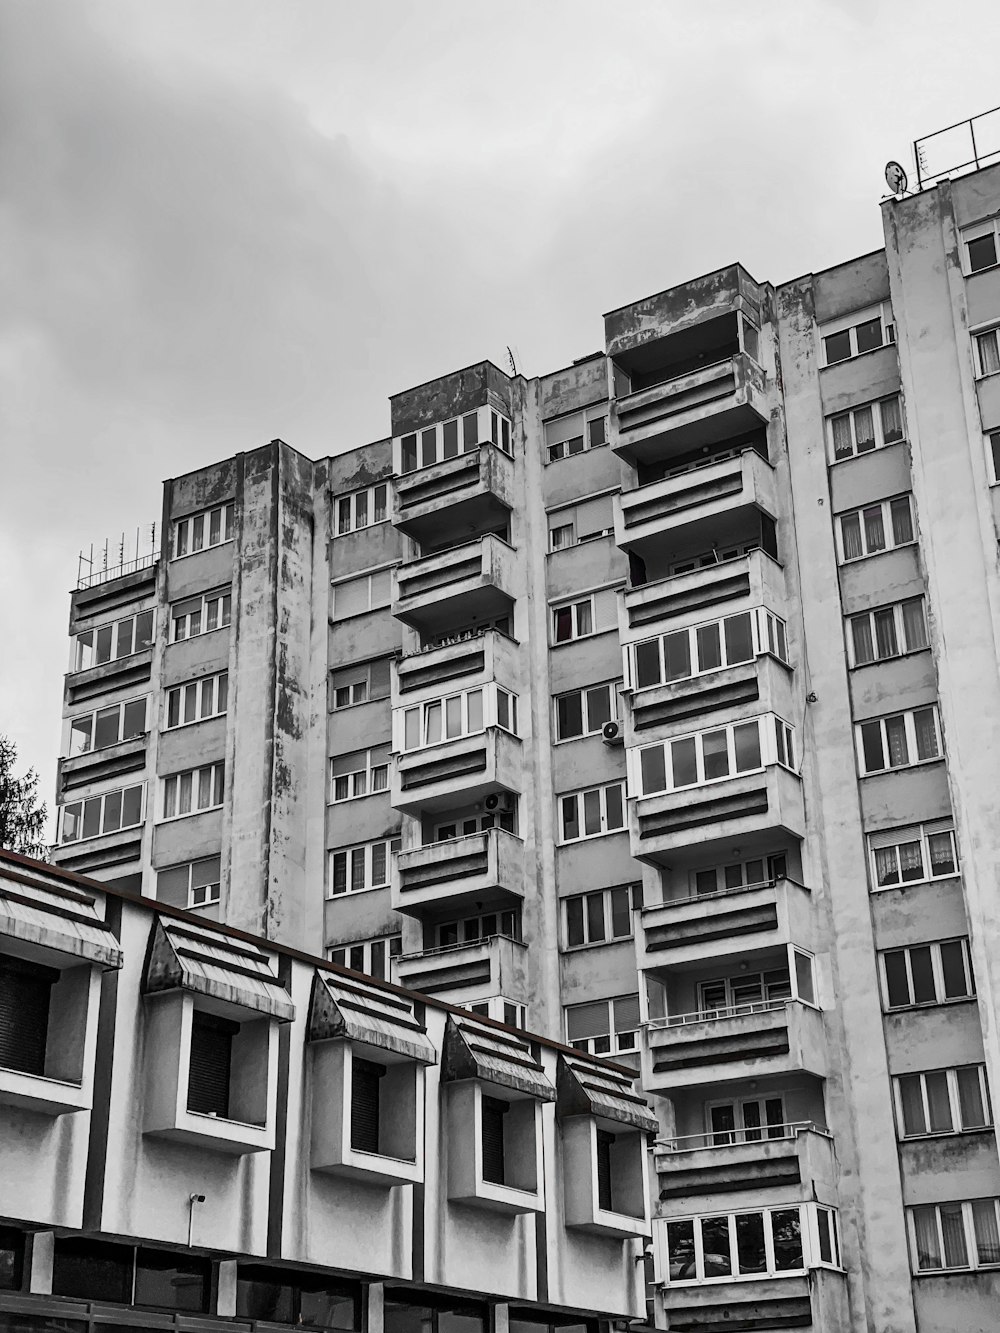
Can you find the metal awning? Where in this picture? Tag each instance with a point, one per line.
(474, 1050)
(349, 1008)
(590, 1089)
(53, 915)
(186, 956)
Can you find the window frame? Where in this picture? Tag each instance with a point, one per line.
(222, 595)
(614, 688)
(973, 1263)
(634, 894)
(989, 331)
(908, 717)
(616, 1046)
(391, 846)
(359, 668)
(587, 416)
(227, 526)
(937, 972)
(977, 232)
(366, 574)
(393, 948)
(991, 442)
(120, 739)
(954, 1103)
(809, 1240)
(459, 924)
(197, 685)
(879, 440)
(189, 866)
(573, 606)
(217, 782)
(371, 495)
(767, 860)
(899, 629)
(493, 427)
(491, 694)
(112, 625)
(369, 770)
(765, 638)
(776, 745)
(103, 798)
(888, 529)
(850, 324)
(578, 796)
(931, 828)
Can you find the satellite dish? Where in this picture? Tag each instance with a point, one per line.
(895, 178)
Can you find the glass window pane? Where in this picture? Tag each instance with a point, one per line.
(592, 811)
(953, 1233)
(902, 521)
(970, 1098)
(184, 790)
(925, 728)
(715, 1246)
(361, 509)
(683, 762)
(938, 1102)
(982, 252)
(615, 807)
(897, 982)
(892, 420)
(569, 716)
(105, 637)
(942, 853)
(984, 1224)
(647, 664)
(652, 769)
(953, 969)
(928, 1243)
(861, 635)
(428, 447)
(574, 921)
(598, 707)
(787, 1237)
(843, 446)
(751, 1256)
(804, 977)
(134, 719)
(746, 745)
(709, 647)
(680, 1251)
(739, 638)
(204, 788)
(911, 861)
(408, 447)
(80, 735)
(895, 735)
(411, 728)
(873, 757)
(452, 717)
(874, 529)
(677, 655)
(474, 705)
(112, 820)
(92, 817)
(570, 818)
(914, 628)
(190, 696)
(850, 537)
(563, 624)
(470, 430)
(715, 754)
(868, 335)
(123, 638)
(838, 347)
(885, 633)
(595, 917)
(923, 974)
(912, 1105)
(621, 914)
(584, 620)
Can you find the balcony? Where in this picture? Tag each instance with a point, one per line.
(762, 684)
(467, 583)
(456, 772)
(648, 520)
(471, 492)
(752, 1041)
(716, 402)
(817, 1300)
(754, 579)
(717, 815)
(773, 1167)
(464, 973)
(479, 867)
(488, 654)
(113, 761)
(717, 925)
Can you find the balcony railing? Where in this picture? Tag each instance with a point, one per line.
(710, 1015)
(118, 571)
(727, 1138)
(473, 581)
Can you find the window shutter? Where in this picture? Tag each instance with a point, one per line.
(493, 1113)
(365, 1104)
(604, 1142)
(211, 1064)
(24, 1014)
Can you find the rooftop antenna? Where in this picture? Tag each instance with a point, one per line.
(510, 358)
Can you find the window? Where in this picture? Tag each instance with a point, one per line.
(211, 1064)
(758, 1243)
(362, 509)
(369, 956)
(573, 621)
(123, 1275)
(200, 531)
(571, 435)
(710, 756)
(200, 615)
(361, 773)
(107, 726)
(409, 1311)
(366, 1078)
(910, 855)
(927, 974)
(993, 457)
(25, 994)
(744, 993)
(108, 813)
(283, 1296)
(464, 828)
(582, 522)
(368, 592)
(748, 1120)
(482, 927)
(464, 714)
(721, 555)
(448, 439)
(493, 1112)
(898, 741)
(584, 712)
(499, 1008)
(604, 1027)
(355, 869)
(877, 527)
(196, 884)
(359, 684)
(606, 914)
(112, 642)
(740, 875)
(865, 428)
(942, 1101)
(527, 1320)
(891, 631)
(589, 814)
(199, 699)
(194, 790)
(955, 1235)
(980, 246)
(709, 647)
(987, 353)
(861, 332)
(12, 1262)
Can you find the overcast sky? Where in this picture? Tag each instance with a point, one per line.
(223, 221)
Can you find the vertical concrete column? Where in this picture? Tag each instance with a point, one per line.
(376, 1308)
(501, 1317)
(43, 1244)
(226, 1299)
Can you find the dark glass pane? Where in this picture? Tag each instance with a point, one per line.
(652, 767)
(709, 647)
(869, 335)
(11, 1258)
(365, 1081)
(677, 655)
(896, 981)
(683, 761)
(739, 640)
(173, 1281)
(595, 917)
(680, 1250)
(746, 743)
(493, 1112)
(751, 1256)
(953, 968)
(647, 664)
(838, 347)
(569, 716)
(621, 915)
(982, 252)
(574, 921)
(715, 1246)
(715, 754)
(871, 746)
(787, 1236)
(923, 975)
(92, 1270)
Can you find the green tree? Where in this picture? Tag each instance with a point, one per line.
(22, 819)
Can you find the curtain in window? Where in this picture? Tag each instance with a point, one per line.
(938, 1101)
(914, 629)
(864, 647)
(911, 860)
(850, 533)
(902, 521)
(926, 733)
(989, 353)
(864, 429)
(892, 420)
(984, 1221)
(886, 869)
(843, 446)
(874, 529)
(895, 734)
(942, 853)
(953, 1232)
(885, 634)
(926, 1233)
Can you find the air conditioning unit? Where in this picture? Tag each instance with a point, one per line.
(497, 801)
(611, 733)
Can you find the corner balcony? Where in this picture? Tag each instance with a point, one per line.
(488, 654)
(464, 973)
(816, 1300)
(472, 491)
(718, 925)
(459, 872)
(457, 772)
(476, 581)
(754, 579)
(659, 711)
(717, 815)
(648, 520)
(717, 402)
(771, 1165)
(750, 1041)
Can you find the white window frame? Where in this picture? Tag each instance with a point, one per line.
(971, 1248)
(633, 894)
(214, 887)
(888, 529)
(809, 1238)
(557, 450)
(612, 687)
(904, 837)
(393, 948)
(765, 636)
(103, 798)
(499, 1008)
(183, 530)
(990, 334)
(910, 732)
(850, 324)
(772, 992)
(217, 788)
(79, 649)
(578, 796)
(900, 631)
(360, 691)
(741, 1132)
(991, 442)
(366, 852)
(776, 743)
(371, 772)
(492, 698)
(768, 862)
(198, 685)
(461, 922)
(618, 1041)
(954, 1103)
(937, 971)
(573, 606)
(371, 494)
(92, 714)
(492, 427)
(222, 598)
(976, 233)
(372, 605)
(874, 407)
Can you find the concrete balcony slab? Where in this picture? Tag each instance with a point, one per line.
(478, 867)
(764, 684)
(476, 581)
(466, 493)
(465, 973)
(672, 603)
(774, 1169)
(457, 772)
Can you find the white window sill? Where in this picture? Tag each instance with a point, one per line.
(179, 726)
(346, 800)
(930, 1004)
(188, 814)
(332, 897)
(915, 883)
(866, 453)
(881, 661)
(589, 837)
(830, 365)
(373, 699)
(903, 768)
(596, 944)
(228, 541)
(873, 555)
(352, 532)
(188, 638)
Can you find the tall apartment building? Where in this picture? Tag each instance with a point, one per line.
(652, 704)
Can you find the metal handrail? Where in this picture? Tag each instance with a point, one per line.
(703, 569)
(713, 1015)
(729, 1138)
(977, 160)
(460, 837)
(117, 571)
(725, 893)
(733, 456)
(439, 949)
